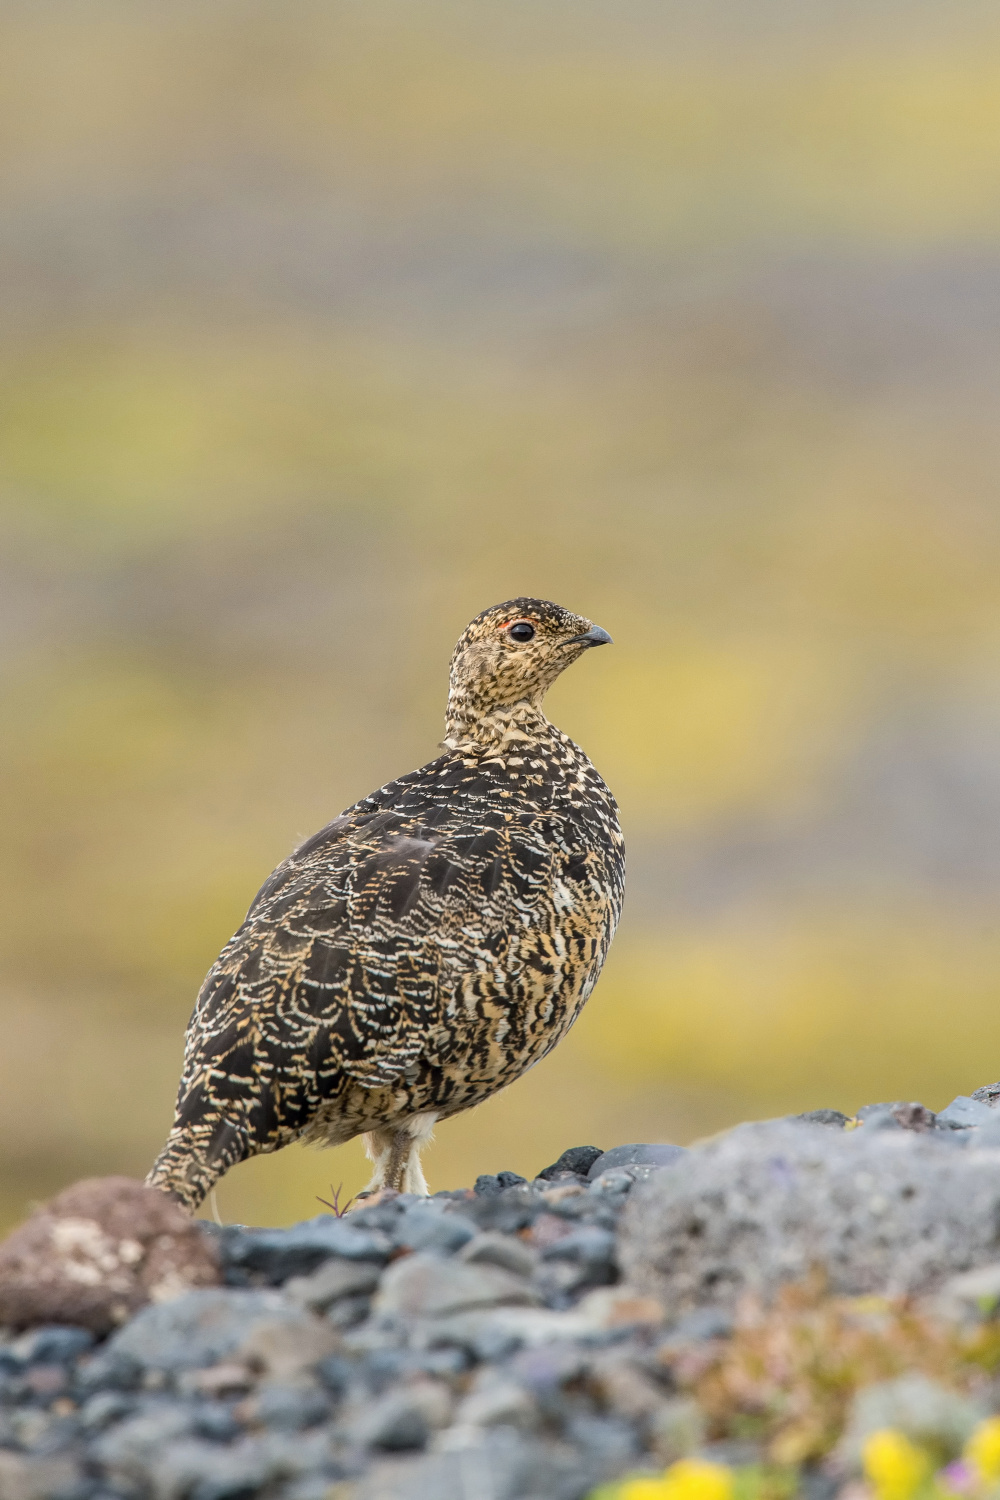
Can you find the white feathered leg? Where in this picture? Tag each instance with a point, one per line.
(396, 1155)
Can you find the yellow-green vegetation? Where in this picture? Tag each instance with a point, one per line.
(788, 1375)
(326, 326)
(894, 1469)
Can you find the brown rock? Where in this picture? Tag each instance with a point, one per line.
(99, 1251)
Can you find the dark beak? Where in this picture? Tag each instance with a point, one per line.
(595, 636)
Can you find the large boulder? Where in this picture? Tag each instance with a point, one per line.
(97, 1252)
(885, 1211)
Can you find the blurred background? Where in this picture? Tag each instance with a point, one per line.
(324, 326)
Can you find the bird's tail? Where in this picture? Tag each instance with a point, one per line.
(195, 1156)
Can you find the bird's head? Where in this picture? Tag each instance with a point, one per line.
(512, 654)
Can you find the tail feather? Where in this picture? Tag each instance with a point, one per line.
(195, 1157)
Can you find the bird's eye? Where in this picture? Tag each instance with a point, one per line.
(521, 631)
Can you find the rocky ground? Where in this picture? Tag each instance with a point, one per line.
(766, 1300)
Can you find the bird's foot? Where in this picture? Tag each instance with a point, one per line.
(371, 1197)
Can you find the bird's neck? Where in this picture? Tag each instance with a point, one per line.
(468, 727)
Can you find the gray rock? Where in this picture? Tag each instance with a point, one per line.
(128, 1449)
(425, 1286)
(489, 1186)
(348, 1312)
(401, 1419)
(289, 1408)
(199, 1329)
(495, 1334)
(336, 1374)
(104, 1408)
(204, 1471)
(878, 1211)
(965, 1111)
(24, 1478)
(508, 1211)
(425, 1226)
(659, 1154)
(499, 1463)
(986, 1136)
(608, 1443)
(580, 1260)
(288, 1349)
(588, 1246)
(334, 1279)
(108, 1372)
(503, 1250)
(320, 1486)
(618, 1181)
(51, 1344)
(216, 1422)
(46, 1434)
(577, 1161)
(989, 1094)
(832, 1117)
(929, 1414)
(547, 1368)
(495, 1400)
(880, 1117)
(273, 1255)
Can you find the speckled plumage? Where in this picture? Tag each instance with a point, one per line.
(426, 947)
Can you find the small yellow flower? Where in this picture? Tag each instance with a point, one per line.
(696, 1479)
(690, 1479)
(643, 1489)
(982, 1450)
(895, 1467)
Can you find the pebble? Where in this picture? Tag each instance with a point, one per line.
(494, 1399)
(660, 1154)
(578, 1160)
(401, 1419)
(195, 1330)
(289, 1408)
(428, 1227)
(965, 1111)
(54, 1344)
(832, 1117)
(424, 1286)
(273, 1255)
(333, 1280)
(503, 1250)
(588, 1246)
(489, 1186)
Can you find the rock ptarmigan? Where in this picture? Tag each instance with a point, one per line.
(425, 948)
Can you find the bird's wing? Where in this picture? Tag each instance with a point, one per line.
(352, 949)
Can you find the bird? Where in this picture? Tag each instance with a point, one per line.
(426, 947)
